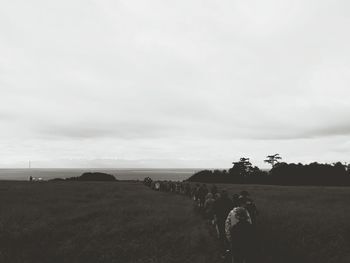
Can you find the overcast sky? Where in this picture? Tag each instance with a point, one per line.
(198, 81)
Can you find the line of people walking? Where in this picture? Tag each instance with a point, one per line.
(233, 218)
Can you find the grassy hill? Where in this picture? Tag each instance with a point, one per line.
(127, 222)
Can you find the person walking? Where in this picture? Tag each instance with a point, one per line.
(239, 233)
(235, 200)
(209, 208)
(202, 192)
(245, 201)
(222, 206)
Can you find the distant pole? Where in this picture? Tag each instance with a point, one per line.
(30, 164)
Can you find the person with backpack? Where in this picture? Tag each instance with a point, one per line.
(245, 201)
(239, 233)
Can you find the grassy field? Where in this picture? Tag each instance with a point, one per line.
(127, 222)
(99, 222)
(301, 224)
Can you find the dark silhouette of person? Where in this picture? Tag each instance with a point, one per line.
(196, 193)
(222, 206)
(214, 189)
(202, 192)
(235, 200)
(209, 208)
(245, 201)
(240, 234)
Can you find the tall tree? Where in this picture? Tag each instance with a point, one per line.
(242, 168)
(273, 159)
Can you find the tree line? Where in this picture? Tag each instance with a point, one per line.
(281, 173)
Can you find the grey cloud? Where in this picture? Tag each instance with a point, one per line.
(331, 130)
(297, 133)
(189, 78)
(123, 130)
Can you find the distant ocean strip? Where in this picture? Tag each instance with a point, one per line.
(120, 174)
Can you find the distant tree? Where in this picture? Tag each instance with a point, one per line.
(241, 168)
(256, 171)
(348, 167)
(217, 172)
(243, 172)
(341, 167)
(273, 159)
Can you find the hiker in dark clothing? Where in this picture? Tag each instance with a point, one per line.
(222, 206)
(202, 192)
(209, 208)
(235, 200)
(196, 193)
(213, 189)
(240, 234)
(188, 189)
(244, 195)
(248, 203)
